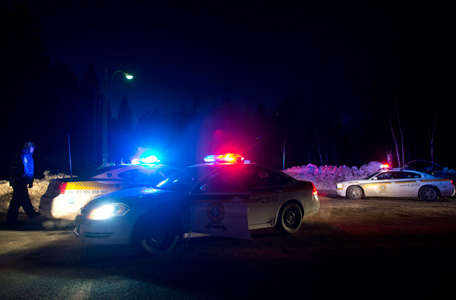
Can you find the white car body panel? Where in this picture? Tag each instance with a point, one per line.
(402, 187)
(229, 214)
(78, 192)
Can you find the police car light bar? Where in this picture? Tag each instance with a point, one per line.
(385, 166)
(224, 158)
(152, 159)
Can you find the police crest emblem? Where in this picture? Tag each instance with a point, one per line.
(215, 212)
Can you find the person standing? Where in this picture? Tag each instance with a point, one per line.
(21, 178)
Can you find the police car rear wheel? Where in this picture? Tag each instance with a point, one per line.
(290, 219)
(355, 192)
(429, 193)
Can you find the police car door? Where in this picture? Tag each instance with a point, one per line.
(219, 204)
(383, 185)
(265, 198)
(408, 184)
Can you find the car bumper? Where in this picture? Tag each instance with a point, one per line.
(448, 191)
(112, 231)
(62, 207)
(311, 207)
(341, 192)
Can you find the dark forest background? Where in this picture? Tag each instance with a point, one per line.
(46, 103)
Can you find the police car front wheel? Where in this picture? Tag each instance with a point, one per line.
(156, 237)
(355, 192)
(152, 246)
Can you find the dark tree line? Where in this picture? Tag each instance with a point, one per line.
(46, 103)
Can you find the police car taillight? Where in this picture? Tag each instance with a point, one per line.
(224, 158)
(314, 190)
(60, 187)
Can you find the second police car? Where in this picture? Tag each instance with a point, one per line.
(65, 197)
(397, 182)
(223, 197)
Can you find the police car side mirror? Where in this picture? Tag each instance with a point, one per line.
(203, 188)
(374, 178)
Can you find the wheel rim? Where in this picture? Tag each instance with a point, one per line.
(159, 240)
(156, 246)
(156, 239)
(429, 194)
(354, 192)
(290, 218)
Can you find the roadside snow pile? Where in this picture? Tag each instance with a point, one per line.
(326, 177)
(39, 188)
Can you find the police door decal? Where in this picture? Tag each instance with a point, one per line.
(215, 212)
(220, 218)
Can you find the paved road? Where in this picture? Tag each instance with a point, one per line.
(398, 249)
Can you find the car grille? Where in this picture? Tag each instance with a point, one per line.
(97, 234)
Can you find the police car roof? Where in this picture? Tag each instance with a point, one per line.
(213, 164)
(400, 170)
(409, 170)
(93, 173)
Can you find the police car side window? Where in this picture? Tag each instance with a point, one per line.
(130, 175)
(228, 181)
(383, 176)
(410, 175)
(265, 178)
(138, 176)
(125, 175)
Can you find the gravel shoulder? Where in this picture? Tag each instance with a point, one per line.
(351, 249)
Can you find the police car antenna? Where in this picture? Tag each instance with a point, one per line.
(69, 153)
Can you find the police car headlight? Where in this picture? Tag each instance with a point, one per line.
(108, 211)
(340, 186)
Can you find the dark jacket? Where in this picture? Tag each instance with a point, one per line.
(22, 168)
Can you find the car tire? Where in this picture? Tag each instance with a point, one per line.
(290, 219)
(355, 192)
(157, 238)
(429, 193)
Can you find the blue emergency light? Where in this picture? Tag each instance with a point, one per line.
(151, 159)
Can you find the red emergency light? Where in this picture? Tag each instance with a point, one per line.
(224, 158)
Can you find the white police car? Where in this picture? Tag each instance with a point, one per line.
(224, 197)
(65, 197)
(397, 183)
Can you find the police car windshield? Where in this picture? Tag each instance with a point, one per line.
(184, 179)
(370, 176)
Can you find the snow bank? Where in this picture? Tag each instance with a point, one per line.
(39, 188)
(326, 177)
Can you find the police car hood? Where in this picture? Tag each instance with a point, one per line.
(129, 196)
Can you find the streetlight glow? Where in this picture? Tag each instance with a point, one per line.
(104, 137)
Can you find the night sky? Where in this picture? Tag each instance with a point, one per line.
(355, 59)
(250, 51)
